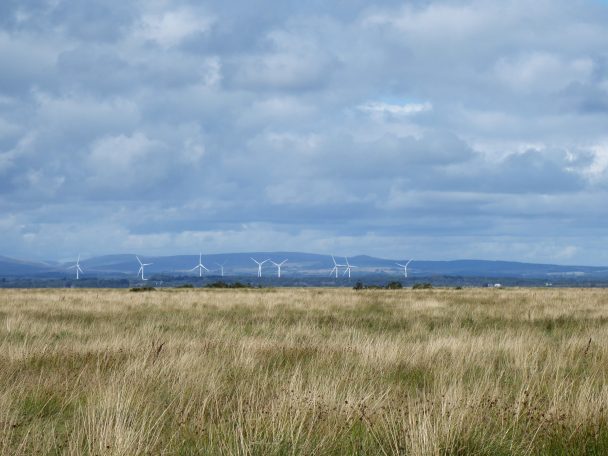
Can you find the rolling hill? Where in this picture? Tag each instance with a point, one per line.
(299, 264)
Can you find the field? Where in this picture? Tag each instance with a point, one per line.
(304, 371)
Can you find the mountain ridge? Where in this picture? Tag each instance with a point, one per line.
(299, 263)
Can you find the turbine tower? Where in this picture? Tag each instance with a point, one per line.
(77, 267)
(259, 266)
(278, 265)
(348, 267)
(336, 267)
(200, 265)
(404, 266)
(141, 267)
(221, 267)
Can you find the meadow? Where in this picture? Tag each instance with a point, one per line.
(304, 372)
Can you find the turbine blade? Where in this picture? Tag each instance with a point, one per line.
(138, 259)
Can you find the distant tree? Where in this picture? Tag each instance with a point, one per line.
(358, 286)
(222, 284)
(140, 289)
(394, 285)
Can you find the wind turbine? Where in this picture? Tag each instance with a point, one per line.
(77, 267)
(200, 266)
(141, 267)
(259, 266)
(278, 265)
(336, 267)
(221, 267)
(348, 267)
(404, 266)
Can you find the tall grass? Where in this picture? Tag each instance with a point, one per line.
(305, 371)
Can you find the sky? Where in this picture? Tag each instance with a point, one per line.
(426, 129)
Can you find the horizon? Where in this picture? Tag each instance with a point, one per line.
(83, 258)
(424, 129)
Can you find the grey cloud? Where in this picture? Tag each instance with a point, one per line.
(289, 61)
(533, 172)
(245, 122)
(80, 70)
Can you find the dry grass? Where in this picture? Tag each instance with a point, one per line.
(304, 372)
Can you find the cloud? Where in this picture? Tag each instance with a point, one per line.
(289, 62)
(120, 160)
(470, 128)
(395, 109)
(170, 28)
(542, 72)
(25, 62)
(598, 169)
(128, 165)
(435, 20)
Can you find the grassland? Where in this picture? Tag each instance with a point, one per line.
(310, 371)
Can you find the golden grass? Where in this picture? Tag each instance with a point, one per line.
(304, 371)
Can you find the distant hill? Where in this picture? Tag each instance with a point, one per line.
(298, 264)
(10, 267)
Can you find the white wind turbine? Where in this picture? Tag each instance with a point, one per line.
(278, 265)
(348, 267)
(141, 267)
(77, 267)
(404, 266)
(221, 267)
(200, 265)
(259, 266)
(336, 267)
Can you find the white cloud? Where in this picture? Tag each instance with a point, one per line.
(277, 109)
(123, 162)
(169, 28)
(75, 113)
(597, 171)
(435, 20)
(408, 109)
(292, 62)
(542, 71)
